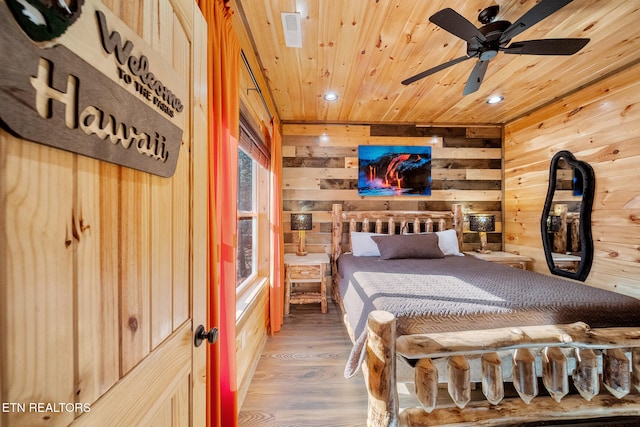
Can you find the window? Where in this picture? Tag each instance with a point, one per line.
(252, 257)
(247, 218)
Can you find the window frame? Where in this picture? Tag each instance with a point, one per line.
(253, 145)
(252, 214)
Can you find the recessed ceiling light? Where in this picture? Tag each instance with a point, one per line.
(495, 99)
(330, 96)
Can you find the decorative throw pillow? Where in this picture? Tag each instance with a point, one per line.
(362, 245)
(408, 246)
(448, 242)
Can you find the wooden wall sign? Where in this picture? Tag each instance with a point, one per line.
(77, 78)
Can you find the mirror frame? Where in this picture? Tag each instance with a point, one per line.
(586, 238)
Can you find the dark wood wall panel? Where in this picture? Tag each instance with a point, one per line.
(320, 167)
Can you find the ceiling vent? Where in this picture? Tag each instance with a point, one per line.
(292, 30)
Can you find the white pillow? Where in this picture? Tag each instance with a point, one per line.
(448, 242)
(363, 245)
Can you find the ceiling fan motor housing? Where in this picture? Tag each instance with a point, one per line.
(489, 48)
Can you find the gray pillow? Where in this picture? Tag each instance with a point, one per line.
(408, 246)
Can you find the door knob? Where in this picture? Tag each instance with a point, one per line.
(201, 335)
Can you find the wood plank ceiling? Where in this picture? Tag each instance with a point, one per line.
(363, 49)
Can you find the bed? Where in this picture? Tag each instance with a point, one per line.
(567, 349)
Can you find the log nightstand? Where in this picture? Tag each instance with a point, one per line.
(513, 260)
(305, 269)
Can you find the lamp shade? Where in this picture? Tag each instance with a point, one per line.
(301, 221)
(481, 222)
(554, 223)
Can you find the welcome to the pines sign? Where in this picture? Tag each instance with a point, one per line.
(81, 80)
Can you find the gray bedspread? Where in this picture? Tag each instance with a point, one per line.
(464, 293)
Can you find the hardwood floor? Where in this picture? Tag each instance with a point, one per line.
(299, 380)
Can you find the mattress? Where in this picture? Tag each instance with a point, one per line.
(464, 293)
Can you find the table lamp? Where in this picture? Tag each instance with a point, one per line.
(554, 223)
(482, 223)
(301, 222)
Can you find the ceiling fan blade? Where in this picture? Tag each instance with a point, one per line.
(433, 70)
(475, 79)
(451, 21)
(536, 14)
(546, 47)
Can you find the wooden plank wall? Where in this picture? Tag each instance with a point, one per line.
(599, 124)
(251, 337)
(251, 327)
(320, 167)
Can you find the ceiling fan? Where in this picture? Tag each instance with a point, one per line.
(485, 42)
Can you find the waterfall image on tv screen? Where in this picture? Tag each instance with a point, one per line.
(394, 170)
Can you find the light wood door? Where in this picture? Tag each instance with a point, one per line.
(103, 269)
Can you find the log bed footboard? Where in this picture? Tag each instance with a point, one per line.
(557, 354)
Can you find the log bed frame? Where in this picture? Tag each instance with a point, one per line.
(557, 354)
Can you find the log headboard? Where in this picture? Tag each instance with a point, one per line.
(390, 222)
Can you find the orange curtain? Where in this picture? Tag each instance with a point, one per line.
(224, 111)
(276, 291)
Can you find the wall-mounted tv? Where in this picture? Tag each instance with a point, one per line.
(394, 170)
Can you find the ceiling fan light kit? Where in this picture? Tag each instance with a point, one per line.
(494, 36)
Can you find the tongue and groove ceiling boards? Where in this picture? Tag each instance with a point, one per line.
(364, 49)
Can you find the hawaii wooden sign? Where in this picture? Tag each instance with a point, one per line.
(77, 78)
